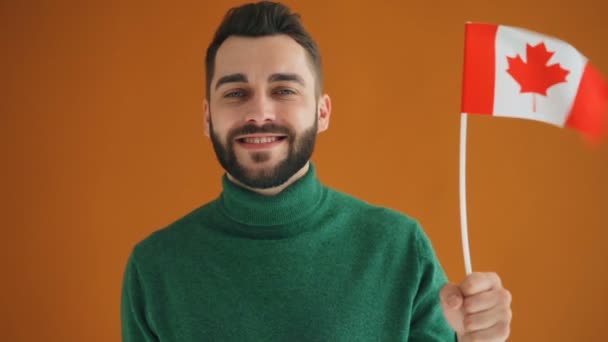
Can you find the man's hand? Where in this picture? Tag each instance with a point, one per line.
(478, 309)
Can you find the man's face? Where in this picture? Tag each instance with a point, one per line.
(262, 113)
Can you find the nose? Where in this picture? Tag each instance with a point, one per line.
(260, 110)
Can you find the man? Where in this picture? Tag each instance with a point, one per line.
(279, 256)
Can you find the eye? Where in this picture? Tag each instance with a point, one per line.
(285, 91)
(235, 93)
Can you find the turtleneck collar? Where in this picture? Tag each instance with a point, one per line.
(289, 206)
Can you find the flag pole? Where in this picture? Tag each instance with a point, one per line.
(464, 230)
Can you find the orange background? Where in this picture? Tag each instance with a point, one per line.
(102, 144)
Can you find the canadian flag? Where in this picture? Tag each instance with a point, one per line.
(512, 72)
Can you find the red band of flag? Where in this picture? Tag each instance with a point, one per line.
(479, 69)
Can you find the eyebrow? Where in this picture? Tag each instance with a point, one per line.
(278, 77)
(230, 79)
(286, 77)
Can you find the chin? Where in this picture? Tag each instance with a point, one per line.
(263, 167)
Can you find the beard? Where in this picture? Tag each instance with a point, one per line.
(299, 151)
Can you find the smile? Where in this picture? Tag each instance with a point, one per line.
(260, 140)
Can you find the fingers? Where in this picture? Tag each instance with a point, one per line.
(499, 332)
(478, 309)
(451, 296)
(480, 282)
(487, 300)
(481, 320)
(451, 304)
(486, 307)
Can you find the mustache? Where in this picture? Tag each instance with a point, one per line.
(266, 128)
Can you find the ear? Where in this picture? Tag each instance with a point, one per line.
(206, 128)
(324, 112)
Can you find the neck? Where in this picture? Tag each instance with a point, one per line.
(277, 189)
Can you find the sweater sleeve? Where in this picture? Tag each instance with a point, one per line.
(135, 327)
(428, 322)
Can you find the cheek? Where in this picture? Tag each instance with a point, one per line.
(310, 117)
(302, 116)
(220, 122)
(218, 132)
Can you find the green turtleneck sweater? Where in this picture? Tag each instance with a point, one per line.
(309, 264)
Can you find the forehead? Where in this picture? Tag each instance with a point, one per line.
(259, 57)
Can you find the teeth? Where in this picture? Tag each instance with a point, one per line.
(263, 140)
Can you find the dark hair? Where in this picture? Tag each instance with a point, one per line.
(260, 19)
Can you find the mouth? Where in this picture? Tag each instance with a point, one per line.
(260, 141)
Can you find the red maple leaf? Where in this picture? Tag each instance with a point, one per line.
(535, 76)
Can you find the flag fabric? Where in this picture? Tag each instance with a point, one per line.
(513, 72)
